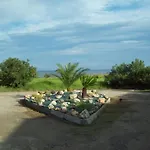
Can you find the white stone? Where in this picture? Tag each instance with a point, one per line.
(65, 104)
(33, 97)
(76, 100)
(43, 95)
(41, 103)
(65, 90)
(57, 108)
(84, 100)
(50, 106)
(107, 97)
(74, 112)
(61, 100)
(88, 91)
(42, 100)
(96, 95)
(61, 92)
(53, 103)
(73, 96)
(27, 96)
(64, 109)
(58, 96)
(91, 101)
(77, 91)
(90, 94)
(94, 91)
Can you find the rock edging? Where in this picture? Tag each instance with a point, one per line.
(61, 115)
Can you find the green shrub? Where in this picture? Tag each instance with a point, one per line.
(16, 73)
(133, 75)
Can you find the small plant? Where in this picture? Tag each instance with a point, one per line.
(87, 81)
(82, 105)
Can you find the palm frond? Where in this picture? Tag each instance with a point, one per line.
(69, 73)
(88, 80)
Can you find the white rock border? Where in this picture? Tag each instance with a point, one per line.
(65, 116)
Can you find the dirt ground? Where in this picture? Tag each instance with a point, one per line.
(121, 126)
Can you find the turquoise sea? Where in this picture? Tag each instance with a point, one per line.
(102, 71)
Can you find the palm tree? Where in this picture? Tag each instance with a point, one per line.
(69, 74)
(87, 81)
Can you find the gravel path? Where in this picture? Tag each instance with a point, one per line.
(122, 126)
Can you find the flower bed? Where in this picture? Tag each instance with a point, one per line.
(68, 105)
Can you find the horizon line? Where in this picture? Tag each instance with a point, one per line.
(55, 69)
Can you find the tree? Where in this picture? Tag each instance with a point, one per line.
(87, 81)
(136, 74)
(69, 73)
(16, 73)
(132, 75)
(118, 75)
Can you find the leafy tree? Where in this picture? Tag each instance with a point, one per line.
(118, 75)
(136, 73)
(87, 81)
(16, 73)
(133, 75)
(69, 73)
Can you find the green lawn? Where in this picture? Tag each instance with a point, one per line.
(52, 83)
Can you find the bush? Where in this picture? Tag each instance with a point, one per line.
(16, 73)
(133, 75)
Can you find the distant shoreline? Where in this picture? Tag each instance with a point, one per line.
(41, 73)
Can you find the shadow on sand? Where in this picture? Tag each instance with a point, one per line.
(47, 133)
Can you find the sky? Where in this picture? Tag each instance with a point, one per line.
(95, 33)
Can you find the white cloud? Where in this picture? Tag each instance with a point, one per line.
(130, 41)
(21, 10)
(31, 28)
(60, 22)
(72, 51)
(38, 15)
(4, 37)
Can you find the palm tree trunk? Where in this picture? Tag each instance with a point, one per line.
(84, 92)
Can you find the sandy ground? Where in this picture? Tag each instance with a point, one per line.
(122, 126)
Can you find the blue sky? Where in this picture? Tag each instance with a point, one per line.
(96, 33)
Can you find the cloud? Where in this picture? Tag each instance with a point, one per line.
(24, 10)
(131, 41)
(70, 30)
(4, 37)
(72, 51)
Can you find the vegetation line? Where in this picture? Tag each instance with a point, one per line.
(19, 75)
